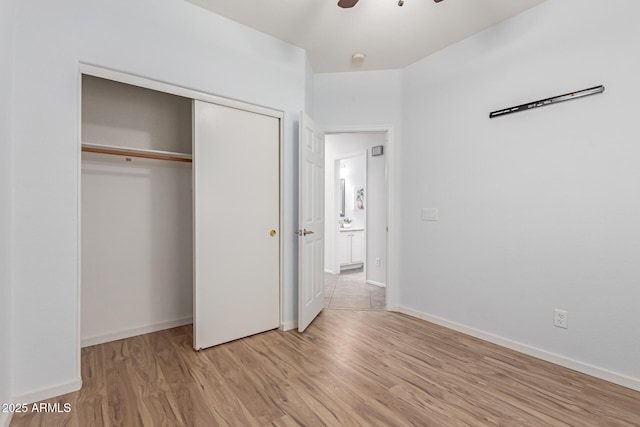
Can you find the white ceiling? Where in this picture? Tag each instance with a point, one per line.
(392, 37)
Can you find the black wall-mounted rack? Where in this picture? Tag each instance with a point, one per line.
(548, 101)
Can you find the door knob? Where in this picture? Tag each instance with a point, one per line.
(272, 233)
(304, 232)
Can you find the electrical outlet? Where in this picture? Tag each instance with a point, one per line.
(378, 262)
(560, 319)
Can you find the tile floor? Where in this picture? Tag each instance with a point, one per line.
(349, 291)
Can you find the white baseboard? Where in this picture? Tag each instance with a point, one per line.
(5, 419)
(585, 368)
(49, 392)
(288, 326)
(118, 335)
(374, 283)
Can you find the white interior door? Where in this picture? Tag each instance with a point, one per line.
(310, 223)
(236, 187)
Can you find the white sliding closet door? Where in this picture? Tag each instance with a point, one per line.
(236, 172)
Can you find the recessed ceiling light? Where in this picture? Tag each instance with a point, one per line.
(358, 57)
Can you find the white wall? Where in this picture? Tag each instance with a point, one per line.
(376, 205)
(364, 100)
(308, 89)
(538, 210)
(338, 146)
(137, 258)
(359, 98)
(6, 63)
(167, 40)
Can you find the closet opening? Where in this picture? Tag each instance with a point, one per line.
(159, 183)
(136, 210)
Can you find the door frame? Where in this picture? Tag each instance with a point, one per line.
(148, 83)
(392, 299)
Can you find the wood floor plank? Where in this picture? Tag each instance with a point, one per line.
(350, 368)
(303, 406)
(225, 407)
(188, 397)
(149, 383)
(335, 409)
(120, 390)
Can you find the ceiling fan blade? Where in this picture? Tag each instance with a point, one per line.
(347, 3)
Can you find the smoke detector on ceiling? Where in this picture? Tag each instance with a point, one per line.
(358, 57)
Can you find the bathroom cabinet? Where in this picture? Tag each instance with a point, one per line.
(351, 248)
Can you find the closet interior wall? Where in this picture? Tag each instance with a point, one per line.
(137, 244)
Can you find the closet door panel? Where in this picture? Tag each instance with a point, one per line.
(236, 171)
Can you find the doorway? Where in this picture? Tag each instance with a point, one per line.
(355, 221)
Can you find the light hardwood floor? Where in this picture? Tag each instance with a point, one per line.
(350, 368)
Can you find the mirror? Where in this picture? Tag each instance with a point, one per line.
(342, 198)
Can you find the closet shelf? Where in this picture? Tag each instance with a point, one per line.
(136, 152)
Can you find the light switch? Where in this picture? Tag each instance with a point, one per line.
(429, 214)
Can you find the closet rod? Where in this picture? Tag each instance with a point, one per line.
(131, 152)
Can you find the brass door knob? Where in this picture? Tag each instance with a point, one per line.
(272, 233)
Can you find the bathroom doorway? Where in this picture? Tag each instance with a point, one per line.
(355, 221)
